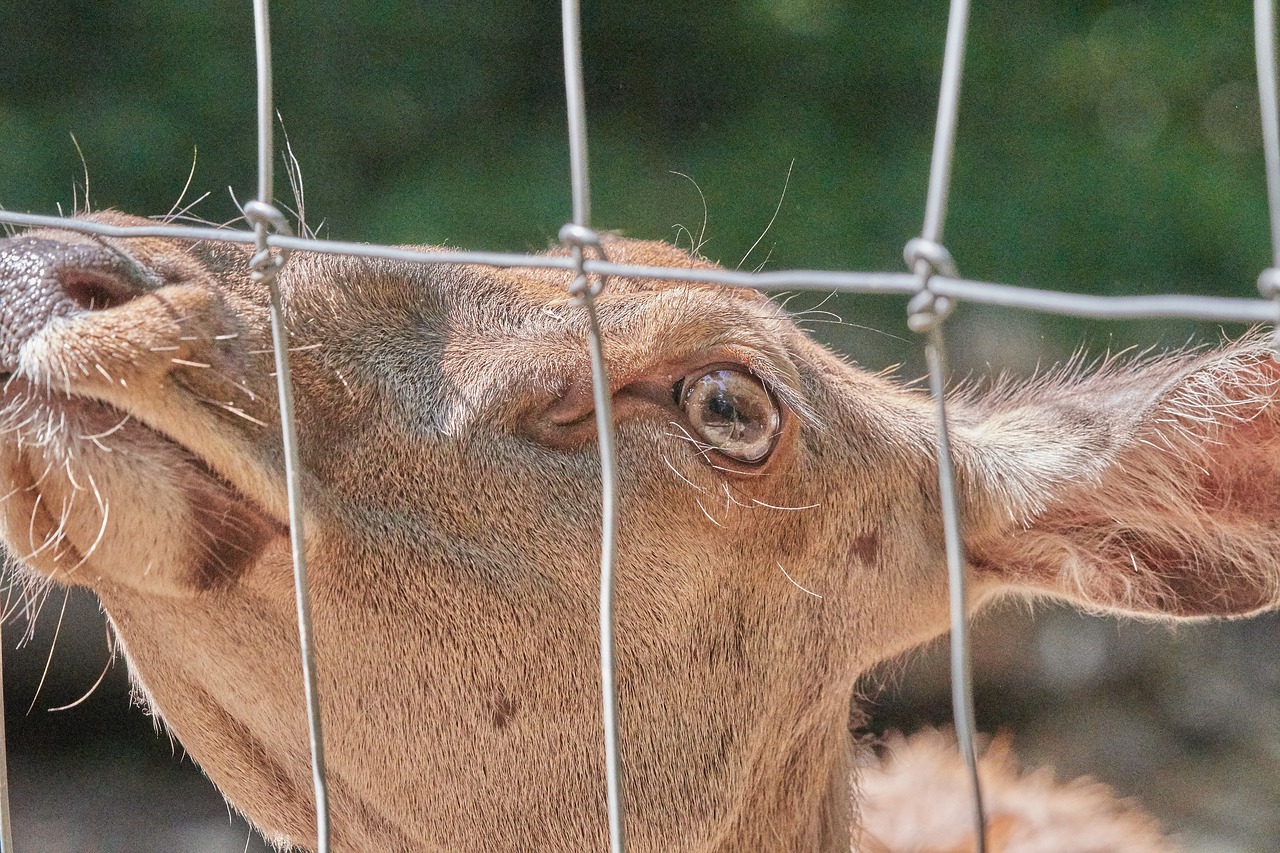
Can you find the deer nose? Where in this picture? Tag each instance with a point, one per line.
(41, 279)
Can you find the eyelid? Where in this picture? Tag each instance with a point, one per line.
(686, 381)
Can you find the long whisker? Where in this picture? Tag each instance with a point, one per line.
(195, 156)
(71, 477)
(31, 529)
(793, 580)
(773, 218)
(785, 508)
(52, 645)
(731, 499)
(97, 435)
(111, 658)
(707, 514)
(687, 481)
(241, 413)
(702, 232)
(104, 508)
(37, 608)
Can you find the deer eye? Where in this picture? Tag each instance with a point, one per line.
(733, 412)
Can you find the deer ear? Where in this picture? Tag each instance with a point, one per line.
(1151, 489)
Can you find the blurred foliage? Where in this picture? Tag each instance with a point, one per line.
(1102, 147)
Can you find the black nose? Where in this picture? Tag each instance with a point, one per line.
(41, 279)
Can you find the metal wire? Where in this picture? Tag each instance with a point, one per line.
(608, 535)
(1264, 40)
(576, 105)
(929, 311)
(933, 282)
(944, 136)
(578, 235)
(1264, 26)
(6, 828)
(265, 218)
(1225, 309)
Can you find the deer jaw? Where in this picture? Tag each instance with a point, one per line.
(451, 494)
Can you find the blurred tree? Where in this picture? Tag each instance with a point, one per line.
(1102, 147)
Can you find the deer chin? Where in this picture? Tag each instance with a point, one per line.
(98, 497)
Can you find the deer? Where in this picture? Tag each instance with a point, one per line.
(779, 536)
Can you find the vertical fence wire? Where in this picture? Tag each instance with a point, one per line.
(6, 827)
(575, 100)
(944, 135)
(1264, 37)
(1264, 40)
(263, 215)
(935, 355)
(576, 105)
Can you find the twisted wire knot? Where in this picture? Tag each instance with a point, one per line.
(578, 237)
(927, 258)
(266, 219)
(1269, 287)
(1269, 283)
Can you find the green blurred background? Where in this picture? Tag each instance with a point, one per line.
(1102, 147)
(1109, 148)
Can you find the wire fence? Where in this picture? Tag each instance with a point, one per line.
(933, 283)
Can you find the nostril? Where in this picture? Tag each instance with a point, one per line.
(43, 278)
(92, 291)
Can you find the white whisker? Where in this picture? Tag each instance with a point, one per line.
(797, 585)
(785, 508)
(111, 658)
(687, 481)
(707, 514)
(108, 432)
(52, 645)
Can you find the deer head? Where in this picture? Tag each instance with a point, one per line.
(779, 529)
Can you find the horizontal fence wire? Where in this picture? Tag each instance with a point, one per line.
(931, 276)
(1225, 309)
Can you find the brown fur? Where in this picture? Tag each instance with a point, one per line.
(452, 491)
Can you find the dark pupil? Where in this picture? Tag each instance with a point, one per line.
(721, 408)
